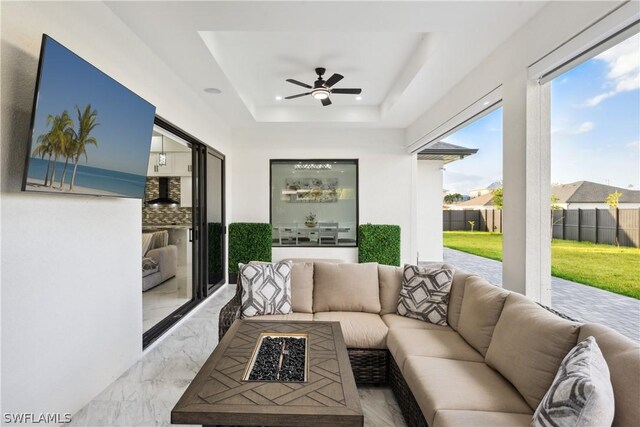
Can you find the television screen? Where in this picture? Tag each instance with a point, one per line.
(89, 134)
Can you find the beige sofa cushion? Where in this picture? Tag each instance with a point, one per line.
(528, 346)
(456, 297)
(456, 418)
(302, 287)
(390, 278)
(448, 344)
(346, 287)
(439, 384)
(360, 330)
(397, 321)
(623, 359)
(289, 316)
(481, 308)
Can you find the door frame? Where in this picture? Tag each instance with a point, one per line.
(200, 245)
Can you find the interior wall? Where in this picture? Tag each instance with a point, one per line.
(71, 278)
(385, 177)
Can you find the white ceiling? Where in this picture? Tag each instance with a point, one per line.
(404, 55)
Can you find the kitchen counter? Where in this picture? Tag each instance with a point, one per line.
(164, 227)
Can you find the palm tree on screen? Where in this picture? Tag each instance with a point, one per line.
(87, 121)
(67, 150)
(45, 148)
(55, 141)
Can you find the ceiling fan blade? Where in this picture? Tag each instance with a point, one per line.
(326, 102)
(347, 91)
(297, 96)
(295, 82)
(333, 80)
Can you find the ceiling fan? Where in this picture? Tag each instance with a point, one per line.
(321, 89)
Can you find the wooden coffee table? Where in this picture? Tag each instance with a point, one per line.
(219, 396)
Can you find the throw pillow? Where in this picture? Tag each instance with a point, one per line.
(425, 293)
(266, 288)
(581, 393)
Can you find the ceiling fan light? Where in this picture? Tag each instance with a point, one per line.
(320, 94)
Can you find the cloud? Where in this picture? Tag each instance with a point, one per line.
(634, 146)
(584, 127)
(623, 70)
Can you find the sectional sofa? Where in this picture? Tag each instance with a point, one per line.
(490, 366)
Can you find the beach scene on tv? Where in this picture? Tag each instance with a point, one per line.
(91, 135)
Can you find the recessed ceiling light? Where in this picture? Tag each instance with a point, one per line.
(278, 98)
(358, 98)
(213, 90)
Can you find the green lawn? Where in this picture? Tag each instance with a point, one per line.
(616, 269)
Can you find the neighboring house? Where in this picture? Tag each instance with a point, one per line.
(481, 202)
(590, 195)
(487, 190)
(576, 195)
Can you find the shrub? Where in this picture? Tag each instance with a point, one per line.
(379, 243)
(248, 241)
(216, 243)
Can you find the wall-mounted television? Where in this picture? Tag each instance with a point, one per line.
(90, 135)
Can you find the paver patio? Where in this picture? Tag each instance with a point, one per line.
(576, 300)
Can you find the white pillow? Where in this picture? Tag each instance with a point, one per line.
(581, 394)
(425, 293)
(266, 288)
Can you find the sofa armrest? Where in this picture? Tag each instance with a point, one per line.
(230, 312)
(167, 258)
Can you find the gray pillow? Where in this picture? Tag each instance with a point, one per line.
(425, 293)
(266, 288)
(581, 394)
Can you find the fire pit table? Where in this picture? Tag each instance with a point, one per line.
(274, 373)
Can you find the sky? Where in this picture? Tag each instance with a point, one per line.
(126, 120)
(595, 127)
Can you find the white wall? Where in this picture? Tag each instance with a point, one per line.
(385, 177)
(71, 281)
(429, 202)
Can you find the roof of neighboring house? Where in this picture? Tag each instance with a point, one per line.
(444, 151)
(591, 192)
(484, 200)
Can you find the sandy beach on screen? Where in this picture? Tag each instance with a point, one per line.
(38, 185)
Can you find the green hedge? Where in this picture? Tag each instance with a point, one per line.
(216, 243)
(248, 241)
(379, 243)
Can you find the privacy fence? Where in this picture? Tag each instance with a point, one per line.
(607, 226)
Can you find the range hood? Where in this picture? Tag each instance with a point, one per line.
(163, 199)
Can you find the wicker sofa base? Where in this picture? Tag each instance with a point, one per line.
(369, 366)
(407, 403)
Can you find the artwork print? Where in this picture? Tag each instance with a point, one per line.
(316, 190)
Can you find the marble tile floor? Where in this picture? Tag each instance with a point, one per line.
(145, 394)
(581, 302)
(164, 299)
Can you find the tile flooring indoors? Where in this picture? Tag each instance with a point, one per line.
(164, 299)
(145, 394)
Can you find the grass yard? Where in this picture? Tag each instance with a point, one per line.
(615, 269)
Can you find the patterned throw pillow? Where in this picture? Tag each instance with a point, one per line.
(266, 288)
(425, 293)
(581, 393)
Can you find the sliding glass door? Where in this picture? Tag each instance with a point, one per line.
(186, 260)
(215, 220)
